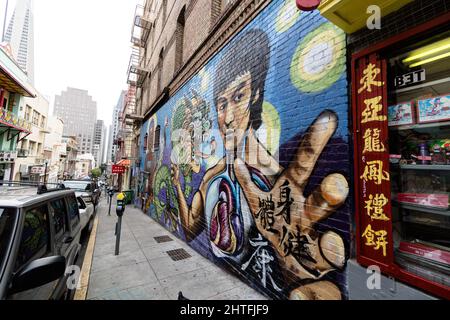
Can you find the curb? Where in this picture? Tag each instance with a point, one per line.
(81, 293)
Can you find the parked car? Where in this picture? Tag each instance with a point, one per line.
(39, 238)
(89, 189)
(86, 212)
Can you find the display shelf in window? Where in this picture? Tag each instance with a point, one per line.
(434, 167)
(424, 126)
(417, 207)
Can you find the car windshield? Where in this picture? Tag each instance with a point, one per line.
(78, 185)
(7, 218)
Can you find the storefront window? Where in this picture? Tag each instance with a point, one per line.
(419, 150)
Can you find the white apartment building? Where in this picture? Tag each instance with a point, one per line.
(30, 150)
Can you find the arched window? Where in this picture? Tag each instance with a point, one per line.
(179, 39)
(157, 138)
(145, 141)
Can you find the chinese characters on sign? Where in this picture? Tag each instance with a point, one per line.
(373, 160)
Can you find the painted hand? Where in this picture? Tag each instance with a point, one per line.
(286, 217)
(175, 174)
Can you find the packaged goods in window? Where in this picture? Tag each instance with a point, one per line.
(424, 199)
(438, 151)
(427, 252)
(400, 114)
(434, 110)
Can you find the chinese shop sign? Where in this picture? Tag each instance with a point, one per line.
(375, 220)
(118, 169)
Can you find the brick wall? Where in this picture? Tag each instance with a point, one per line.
(281, 221)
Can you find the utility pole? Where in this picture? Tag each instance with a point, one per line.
(4, 21)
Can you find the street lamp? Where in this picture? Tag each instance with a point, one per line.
(45, 172)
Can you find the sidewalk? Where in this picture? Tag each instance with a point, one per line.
(144, 270)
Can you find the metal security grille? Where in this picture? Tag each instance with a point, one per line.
(163, 239)
(178, 254)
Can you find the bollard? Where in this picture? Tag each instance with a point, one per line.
(120, 209)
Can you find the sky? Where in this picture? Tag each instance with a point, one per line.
(83, 44)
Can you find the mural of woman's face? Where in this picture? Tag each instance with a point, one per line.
(233, 110)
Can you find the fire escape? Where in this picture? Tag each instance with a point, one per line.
(130, 117)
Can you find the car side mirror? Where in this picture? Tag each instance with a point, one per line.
(37, 273)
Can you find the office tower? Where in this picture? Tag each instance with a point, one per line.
(79, 112)
(20, 36)
(116, 125)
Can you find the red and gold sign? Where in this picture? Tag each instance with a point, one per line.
(118, 169)
(372, 157)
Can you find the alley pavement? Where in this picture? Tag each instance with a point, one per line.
(145, 271)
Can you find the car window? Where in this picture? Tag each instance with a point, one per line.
(7, 219)
(59, 216)
(74, 215)
(35, 236)
(81, 203)
(76, 185)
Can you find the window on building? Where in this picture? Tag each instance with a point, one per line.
(216, 10)
(31, 149)
(157, 138)
(179, 39)
(226, 3)
(43, 122)
(35, 119)
(160, 69)
(28, 113)
(419, 115)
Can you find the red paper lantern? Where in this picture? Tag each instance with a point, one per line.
(308, 5)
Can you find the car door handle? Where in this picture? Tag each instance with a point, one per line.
(68, 240)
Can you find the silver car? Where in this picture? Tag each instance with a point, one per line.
(86, 212)
(39, 239)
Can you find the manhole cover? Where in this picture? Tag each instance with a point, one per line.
(178, 254)
(163, 239)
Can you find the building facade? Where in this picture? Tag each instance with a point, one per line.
(271, 93)
(99, 142)
(79, 112)
(14, 88)
(30, 166)
(269, 138)
(20, 36)
(69, 157)
(84, 165)
(115, 126)
(53, 149)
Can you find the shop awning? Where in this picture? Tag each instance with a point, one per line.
(351, 15)
(124, 162)
(12, 78)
